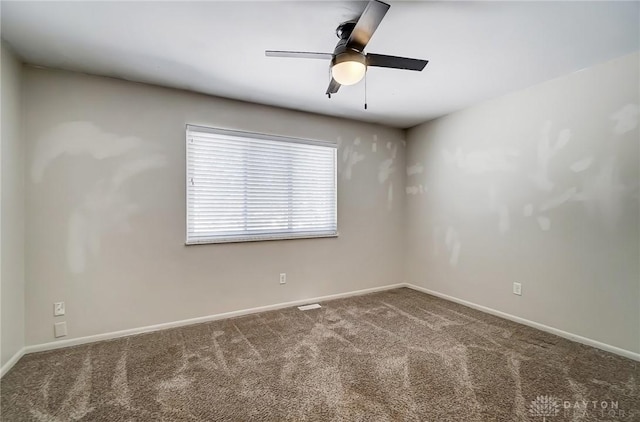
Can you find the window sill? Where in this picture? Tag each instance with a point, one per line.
(259, 239)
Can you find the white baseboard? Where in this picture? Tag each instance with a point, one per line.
(150, 328)
(574, 337)
(15, 358)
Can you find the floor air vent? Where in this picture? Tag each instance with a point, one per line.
(308, 307)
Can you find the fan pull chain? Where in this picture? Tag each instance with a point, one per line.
(365, 89)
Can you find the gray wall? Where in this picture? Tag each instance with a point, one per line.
(539, 187)
(12, 153)
(106, 209)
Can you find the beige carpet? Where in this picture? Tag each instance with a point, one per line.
(398, 355)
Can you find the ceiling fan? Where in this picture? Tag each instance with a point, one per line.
(349, 62)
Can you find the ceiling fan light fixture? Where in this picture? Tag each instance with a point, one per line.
(348, 68)
(348, 62)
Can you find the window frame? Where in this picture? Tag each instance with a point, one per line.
(267, 137)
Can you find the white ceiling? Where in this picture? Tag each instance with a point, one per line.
(477, 50)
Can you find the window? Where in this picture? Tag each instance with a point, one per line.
(247, 186)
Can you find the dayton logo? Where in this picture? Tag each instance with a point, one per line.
(544, 406)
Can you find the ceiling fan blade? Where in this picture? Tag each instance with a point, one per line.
(367, 24)
(334, 86)
(380, 60)
(298, 54)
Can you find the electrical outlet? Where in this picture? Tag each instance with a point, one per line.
(58, 309)
(60, 329)
(517, 289)
(283, 278)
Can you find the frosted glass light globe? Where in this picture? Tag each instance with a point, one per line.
(348, 72)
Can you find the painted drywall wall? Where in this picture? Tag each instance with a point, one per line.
(12, 169)
(539, 187)
(106, 209)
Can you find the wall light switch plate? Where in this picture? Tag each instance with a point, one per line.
(58, 309)
(517, 289)
(60, 329)
(283, 278)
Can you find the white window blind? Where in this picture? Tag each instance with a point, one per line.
(245, 186)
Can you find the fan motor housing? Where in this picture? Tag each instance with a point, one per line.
(343, 31)
(348, 55)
